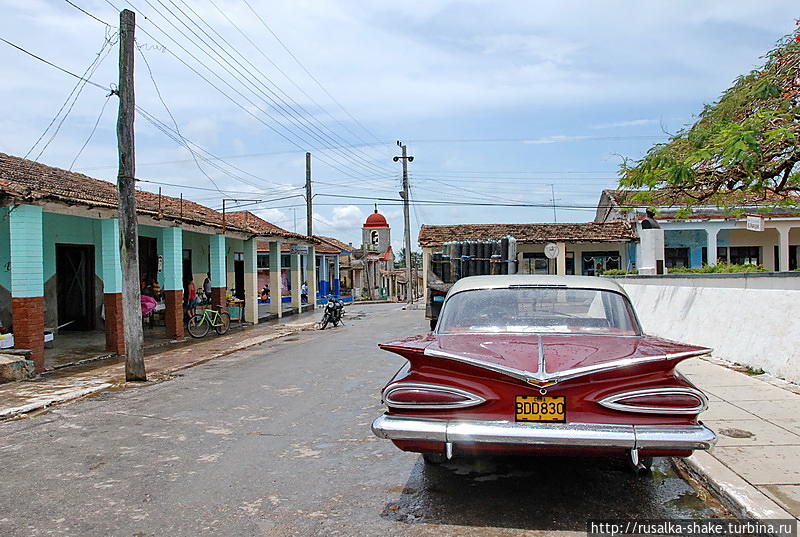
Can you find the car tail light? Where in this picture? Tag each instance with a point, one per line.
(428, 396)
(677, 400)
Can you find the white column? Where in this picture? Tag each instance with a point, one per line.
(783, 247)
(711, 245)
(251, 281)
(296, 281)
(275, 298)
(561, 259)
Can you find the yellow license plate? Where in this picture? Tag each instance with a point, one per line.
(541, 408)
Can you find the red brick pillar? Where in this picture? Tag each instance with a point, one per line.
(115, 335)
(173, 315)
(218, 297)
(27, 316)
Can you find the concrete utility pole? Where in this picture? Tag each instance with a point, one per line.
(126, 193)
(404, 194)
(309, 212)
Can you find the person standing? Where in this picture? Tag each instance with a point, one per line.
(192, 302)
(304, 293)
(207, 286)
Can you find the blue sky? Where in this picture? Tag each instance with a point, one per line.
(496, 101)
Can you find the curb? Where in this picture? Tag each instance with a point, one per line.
(744, 499)
(9, 413)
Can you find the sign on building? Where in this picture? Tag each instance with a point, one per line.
(301, 249)
(551, 250)
(755, 223)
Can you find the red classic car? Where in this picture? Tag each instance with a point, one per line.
(542, 365)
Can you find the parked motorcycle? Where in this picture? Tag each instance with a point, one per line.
(334, 309)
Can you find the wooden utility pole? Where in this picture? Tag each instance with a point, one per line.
(404, 194)
(126, 192)
(309, 212)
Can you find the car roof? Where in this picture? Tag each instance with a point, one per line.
(507, 280)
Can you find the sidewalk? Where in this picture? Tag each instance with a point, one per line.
(755, 466)
(19, 398)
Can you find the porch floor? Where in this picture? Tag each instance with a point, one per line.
(73, 347)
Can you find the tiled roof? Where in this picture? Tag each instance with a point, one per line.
(671, 198)
(336, 243)
(259, 226)
(530, 233)
(28, 181)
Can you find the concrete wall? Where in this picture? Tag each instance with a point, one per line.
(750, 319)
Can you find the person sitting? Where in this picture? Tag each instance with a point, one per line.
(265, 293)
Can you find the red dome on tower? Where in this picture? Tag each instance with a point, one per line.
(376, 219)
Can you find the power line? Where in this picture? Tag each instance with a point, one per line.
(310, 119)
(226, 95)
(94, 128)
(316, 81)
(51, 64)
(295, 84)
(174, 122)
(88, 14)
(230, 70)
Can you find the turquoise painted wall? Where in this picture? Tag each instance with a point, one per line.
(5, 251)
(64, 229)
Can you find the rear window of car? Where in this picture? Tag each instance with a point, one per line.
(538, 310)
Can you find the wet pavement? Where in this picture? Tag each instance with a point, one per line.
(275, 440)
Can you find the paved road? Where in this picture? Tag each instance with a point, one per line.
(275, 441)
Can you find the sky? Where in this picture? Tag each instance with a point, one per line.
(500, 103)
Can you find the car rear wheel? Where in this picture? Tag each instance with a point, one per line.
(433, 459)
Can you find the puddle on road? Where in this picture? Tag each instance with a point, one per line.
(544, 493)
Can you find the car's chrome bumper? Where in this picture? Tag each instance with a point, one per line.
(589, 435)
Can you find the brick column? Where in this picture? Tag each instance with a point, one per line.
(115, 337)
(173, 314)
(27, 280)
(112, 286)
(218, 297)
(27, 315)
(172, 284)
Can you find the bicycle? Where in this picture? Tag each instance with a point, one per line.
(201, 323)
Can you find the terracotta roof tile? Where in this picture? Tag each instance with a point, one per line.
(257, 225)
(336, 243)
(26, 180)
(671, 198)
(530, 233)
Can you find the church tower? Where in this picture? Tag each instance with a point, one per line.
(375, 233)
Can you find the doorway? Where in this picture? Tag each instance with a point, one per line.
(148, 259)
(75, 286)
(238, 275)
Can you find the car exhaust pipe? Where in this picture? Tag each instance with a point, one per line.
(640, 465)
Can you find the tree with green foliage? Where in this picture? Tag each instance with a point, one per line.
(744, 144)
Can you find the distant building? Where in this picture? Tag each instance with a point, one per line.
(374, 259)
(712, 232)
(583, 248)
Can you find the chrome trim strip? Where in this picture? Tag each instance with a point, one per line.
(561, 375)
(612, 401)
(536, 434)
(396, 428)
(510, 371)
(471, 398)
(674, 437)
(589, 435)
